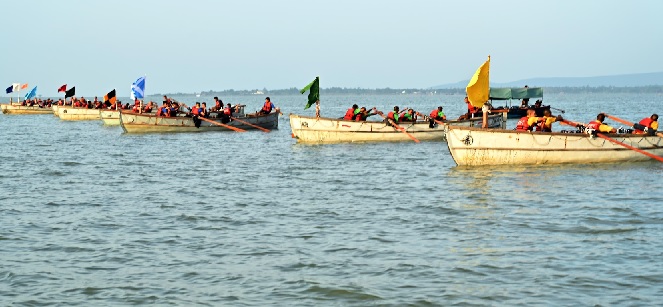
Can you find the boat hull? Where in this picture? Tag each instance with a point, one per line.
(72, 113)
(327, 130)
(24, 110)
(110, 117)
(150, 123)
(474, 147)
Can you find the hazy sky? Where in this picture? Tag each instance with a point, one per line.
(197, 45)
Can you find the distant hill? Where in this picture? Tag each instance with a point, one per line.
(645, 79)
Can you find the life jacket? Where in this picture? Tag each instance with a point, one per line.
(267, 107)
(226, 111)
(433, 114)
(391, 115)
(595, 124)
(522, 124)
(647, 122)
(349, 114)
(195, 111)
(360, 117)
(471, 109)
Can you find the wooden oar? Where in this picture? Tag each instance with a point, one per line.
(625, 122)
(603, 136)
(399, 128)
(249, 124)
(222, 125)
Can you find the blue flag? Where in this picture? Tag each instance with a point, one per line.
(31, 94)
(10, 89)
(138, 89)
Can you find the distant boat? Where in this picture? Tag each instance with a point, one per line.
(198, 95)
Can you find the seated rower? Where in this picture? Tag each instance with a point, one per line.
(527, 123)
(363, 114)
(410, 116)
(163, 111)
(218, 105)
(195, 110)
(395, 115)
(647, 125)
(173, 109)
(351, 112)
(203, 110)
(148, 107)
(548, 119)
(599, 126)
(136, 108)
(267, 107)
(438, 114)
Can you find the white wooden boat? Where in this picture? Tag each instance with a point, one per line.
(19, 109)
(329, 130)
(475, 146)
(149, 122)
(110, 117)
(74, 113)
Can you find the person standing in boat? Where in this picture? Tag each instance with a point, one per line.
(351, 112)
(267, 107)
(599, 126)
(647, 125)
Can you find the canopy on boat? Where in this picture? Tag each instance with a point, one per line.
(515, 93)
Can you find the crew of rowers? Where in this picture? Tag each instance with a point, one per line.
(355, 113)
(38, 102)
(92, 104)
(531, 122)
(648, 125)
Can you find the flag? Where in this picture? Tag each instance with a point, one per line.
(478, 89)
(70, 92)
(314, 93)
(24, 86)
(62, 88)
(16, 87)
(9, 89)
(31, 94)
(138, 89)
(110, 97)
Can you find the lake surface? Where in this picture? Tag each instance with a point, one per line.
(90, 216)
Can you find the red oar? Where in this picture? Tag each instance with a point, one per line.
(603, 136)
(625, 122)
(249, 124)
(222, 125)
(399, 128)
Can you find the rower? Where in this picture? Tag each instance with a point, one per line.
(599, 126)
(351, 112)
(395, 115)
(410, 116)
(647, 125)
(363, 114)
(267, 107)
(526, 123)
(548, 119)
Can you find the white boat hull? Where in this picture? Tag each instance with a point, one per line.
(149, 123)
(23, 110)
(473, 147)
(110, 117)
(72, 113)
(328, 130)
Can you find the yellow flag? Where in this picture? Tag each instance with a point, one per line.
(478, 89)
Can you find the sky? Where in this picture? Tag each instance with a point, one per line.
(201, 45)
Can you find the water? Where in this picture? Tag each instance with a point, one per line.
(91, 216)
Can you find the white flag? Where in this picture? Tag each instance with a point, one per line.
(16, 87)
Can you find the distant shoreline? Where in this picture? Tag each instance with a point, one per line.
(414, 91)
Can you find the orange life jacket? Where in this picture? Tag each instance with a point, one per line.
(267, 107)
(433, 114)
(393, 116)
(522, 124)
(360, 117)
(195, 111)
(226, 111)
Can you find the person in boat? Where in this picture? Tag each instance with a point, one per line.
(438, 114)
(538, 103)
(148, 107)
(528, 122)
(410, 116)
(545, 125)
(647, 125)
(166, 99)
(599, 126)
(203, 110)
(218, 105)
(267, 107)
(163, 111)
(173, 108)
(196, 110)
(395, 115)
(471, 109)
(136, 107)
(363, 114)
(351, 112)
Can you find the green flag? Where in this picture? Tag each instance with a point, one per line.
(314, 93)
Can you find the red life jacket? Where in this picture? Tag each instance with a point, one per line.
(433, 114)
(349, 114)
(195, 111)
(267, 107)
(226, 111)
(393, 116)
(360, 117)
(646, 122)
(522, 124)
(595, 124)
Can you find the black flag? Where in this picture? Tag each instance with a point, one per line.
(70, 93)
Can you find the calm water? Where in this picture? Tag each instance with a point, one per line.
(91, 216)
